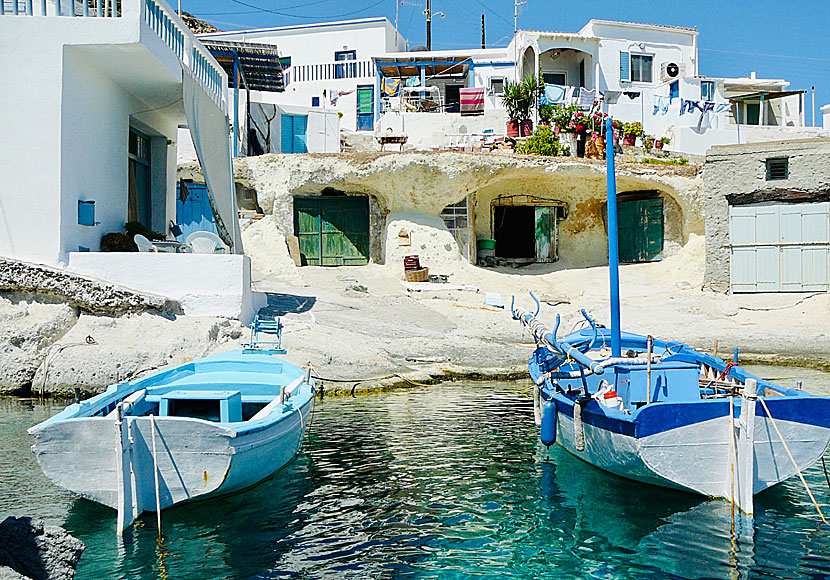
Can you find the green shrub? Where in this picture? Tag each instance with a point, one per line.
(117, 242)
(542, 142)
(133, 228)
(678, 161)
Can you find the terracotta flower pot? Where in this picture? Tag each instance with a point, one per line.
(658, 144)
(512, 128)
(527, 128)
(629, 140)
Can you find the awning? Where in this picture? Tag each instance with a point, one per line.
(260, 64)
(210, 131)
(765, 95)
(411, 67)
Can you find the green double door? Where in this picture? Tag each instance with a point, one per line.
(640, 230)
(332, 230)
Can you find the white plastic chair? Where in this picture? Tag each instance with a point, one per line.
(205, 243)
(144, 245)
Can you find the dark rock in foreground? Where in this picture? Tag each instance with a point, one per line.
(31, 550)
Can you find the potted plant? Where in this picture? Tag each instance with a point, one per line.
(532, 90)
(630, 133)
(511, 98)
(660, 142)
(545, 115)
(648, 142)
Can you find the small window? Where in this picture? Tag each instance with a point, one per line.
(345, 55)
(496, 85)
(315, 101)
(778, 168)
(641, 65)
(707, 90)
(555, 78)
(674, 90)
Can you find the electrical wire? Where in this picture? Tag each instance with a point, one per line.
(811, 58)
(317, 17)
(259, 9)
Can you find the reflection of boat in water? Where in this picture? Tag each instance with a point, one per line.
(662, 413)
(205, 428)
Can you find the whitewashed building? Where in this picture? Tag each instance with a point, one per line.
(99, 92)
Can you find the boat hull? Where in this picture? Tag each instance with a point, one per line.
(695, 455)
(196, 459)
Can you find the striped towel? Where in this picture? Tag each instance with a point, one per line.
(472, 101)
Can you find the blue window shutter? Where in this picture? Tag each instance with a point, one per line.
(287, 134)
(625, 66)
(300, 126)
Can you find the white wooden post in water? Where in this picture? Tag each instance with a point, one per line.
(745, 464)
(126, 496)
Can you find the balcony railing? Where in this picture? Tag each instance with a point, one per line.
(350, 69)
(159, 17)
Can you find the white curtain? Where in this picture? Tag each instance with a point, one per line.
(211, 133)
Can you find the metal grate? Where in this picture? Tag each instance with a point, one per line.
(778, 168)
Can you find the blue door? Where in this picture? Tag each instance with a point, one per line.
(193, 212)
(293, 134)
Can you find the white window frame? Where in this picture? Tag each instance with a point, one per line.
(711, 96)
(491, 90)
(631, 78)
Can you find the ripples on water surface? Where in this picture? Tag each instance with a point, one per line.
(442, 482)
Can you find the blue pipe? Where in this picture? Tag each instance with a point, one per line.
(593, 325)
(566, 349)
(613, 246)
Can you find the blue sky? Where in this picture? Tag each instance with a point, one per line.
(776, 39)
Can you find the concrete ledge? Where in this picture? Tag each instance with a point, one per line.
(82, 292)
(204, 284)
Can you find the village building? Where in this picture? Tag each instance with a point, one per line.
(97, 110)
(768, 217)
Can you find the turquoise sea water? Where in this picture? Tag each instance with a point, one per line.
(442, 482)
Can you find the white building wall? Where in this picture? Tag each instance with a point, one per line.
(315, 45)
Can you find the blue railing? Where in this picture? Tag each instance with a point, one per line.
(98, 8)
(163, 25)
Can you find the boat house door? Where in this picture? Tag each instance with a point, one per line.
(640, 230)
(332, 230)
(780, 247)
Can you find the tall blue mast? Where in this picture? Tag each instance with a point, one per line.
(613, 246)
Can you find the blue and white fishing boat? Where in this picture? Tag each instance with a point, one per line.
(663, 413)
(205, 428)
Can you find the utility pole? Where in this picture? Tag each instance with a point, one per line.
(482, 32)
(429, 14)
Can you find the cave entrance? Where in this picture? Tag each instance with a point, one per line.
(526, 229)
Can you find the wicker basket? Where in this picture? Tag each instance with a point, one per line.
(421, 275)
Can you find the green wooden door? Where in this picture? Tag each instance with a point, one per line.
(333, 230)
(640, 230)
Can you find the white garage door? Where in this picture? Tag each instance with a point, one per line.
(780, 247)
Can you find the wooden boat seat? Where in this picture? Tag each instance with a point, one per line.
(267, 409)
(220, 406)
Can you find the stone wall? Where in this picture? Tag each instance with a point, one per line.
(738, 173)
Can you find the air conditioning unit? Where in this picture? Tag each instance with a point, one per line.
(670, 71)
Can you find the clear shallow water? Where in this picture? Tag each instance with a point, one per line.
(444, 482)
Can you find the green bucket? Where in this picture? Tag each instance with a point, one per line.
(486, 244)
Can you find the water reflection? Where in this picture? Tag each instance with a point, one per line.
(444, 482)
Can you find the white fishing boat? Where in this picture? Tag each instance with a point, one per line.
(205, 428)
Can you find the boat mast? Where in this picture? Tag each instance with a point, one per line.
(613, 246)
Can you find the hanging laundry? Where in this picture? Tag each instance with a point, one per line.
(472, 101)
(687, 106)
(587, 98)
(611, 97)
(661, 105)
(707, 108)
(554, 94)
(721, 107)
(391, 87)
(631, 94)
(336, 95)
(413, 82)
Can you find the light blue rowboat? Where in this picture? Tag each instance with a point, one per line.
(205, 428)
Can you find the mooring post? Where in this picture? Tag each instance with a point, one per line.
(126, 497)
(746, 448)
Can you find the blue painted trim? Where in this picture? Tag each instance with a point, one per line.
(613, 245)
(235, 103)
